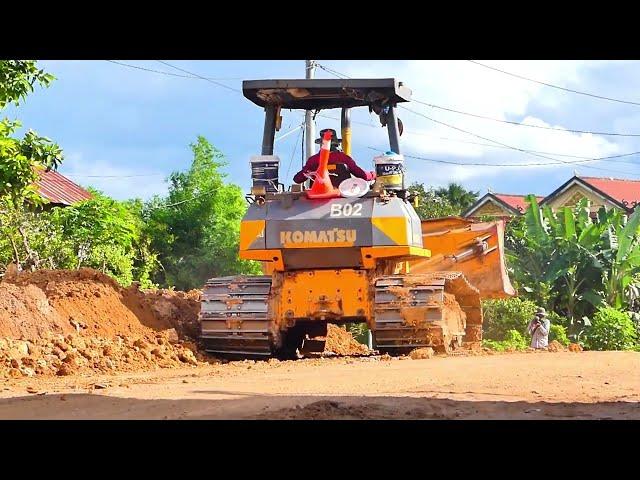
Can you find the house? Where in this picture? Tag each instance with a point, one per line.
(59, 190)
(498, 205)
(618, 193)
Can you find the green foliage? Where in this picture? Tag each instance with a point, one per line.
(458, 196)
(558, 333)
(195, 229)
(574, 264)
(502, 316)
(611, 329)
(360, 332)
(442, 202)
(17, 78)
(431, 205)
(22, 159)
(513, 340)
(101, 233)
(556, 319)
(107, 235)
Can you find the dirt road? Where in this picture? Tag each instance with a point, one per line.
(589, 385)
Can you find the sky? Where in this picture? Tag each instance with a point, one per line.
(124, 130)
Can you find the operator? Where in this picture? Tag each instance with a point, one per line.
(336, 156)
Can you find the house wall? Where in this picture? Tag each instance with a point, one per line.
(574, 194)
(490, 208)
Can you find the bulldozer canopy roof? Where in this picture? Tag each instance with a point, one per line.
(325, 93)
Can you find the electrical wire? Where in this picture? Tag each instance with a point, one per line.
(295, 147)
(413, 132)
(114, 176)
(200, 76)
(171, 205)
(522, 150)
(601, 97)
(168, 73)
(478, 164)
(520, 124)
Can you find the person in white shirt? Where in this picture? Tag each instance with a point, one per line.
(538, 328)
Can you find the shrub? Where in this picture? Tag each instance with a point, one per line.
(501, 316)
(556, 319)
(559, 333)
(514, 340)
(610, 329)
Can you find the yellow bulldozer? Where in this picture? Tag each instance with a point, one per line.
(354, 253)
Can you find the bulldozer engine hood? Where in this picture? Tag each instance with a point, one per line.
(333, 230)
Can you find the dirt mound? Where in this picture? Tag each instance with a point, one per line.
(341, 342)
(322, 410)
(556, 346)
(60, 355)
(421, 353)
(66, 321)
(70, 301)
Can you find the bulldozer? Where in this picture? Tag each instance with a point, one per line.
(330, 255)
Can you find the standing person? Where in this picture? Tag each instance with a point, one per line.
(539, 329)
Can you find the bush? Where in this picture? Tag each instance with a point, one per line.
(514, 340)
(556, 319)
(610, 329)
(501, 316)
(559, 333)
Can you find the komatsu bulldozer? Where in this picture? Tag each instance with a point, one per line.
(332, 256)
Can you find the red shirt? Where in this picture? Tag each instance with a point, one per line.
(334, 157)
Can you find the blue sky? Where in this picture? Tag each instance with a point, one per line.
(125, 130)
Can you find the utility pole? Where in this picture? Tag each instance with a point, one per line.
(309, 127)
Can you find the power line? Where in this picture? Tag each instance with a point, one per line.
(556, 86)
(483, 117)
(482, 164)
(295, 147)
(413, 132)
(200, 76)
(330, 70)
(522, 150)
(114, 176)
(167, 73)
(169, 205)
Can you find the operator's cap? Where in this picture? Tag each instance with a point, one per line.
(334, 136)
(541, 311)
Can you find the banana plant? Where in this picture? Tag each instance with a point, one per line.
(584, 262)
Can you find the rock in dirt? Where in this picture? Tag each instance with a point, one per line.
(421, 353)
(575, 347)
(556, 346)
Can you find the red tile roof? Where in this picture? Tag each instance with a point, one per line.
(59, 189)
(514, 201)
(619, 189)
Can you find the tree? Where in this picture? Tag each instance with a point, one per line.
(458, 196)
(100, 233)
(573, 263)
(107, 235)
(431, 205)
(196, 228)
(442, 202)
(21, 160)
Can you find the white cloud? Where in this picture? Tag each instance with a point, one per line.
(471, 88)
